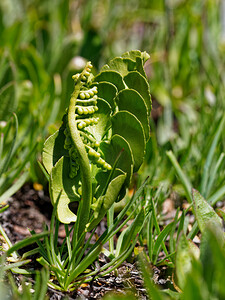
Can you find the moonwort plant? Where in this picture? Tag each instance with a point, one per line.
(92, 157)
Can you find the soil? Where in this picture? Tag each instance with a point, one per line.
(29, 209)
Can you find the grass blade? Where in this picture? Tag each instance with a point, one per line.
(149, 236)
(213, 174)
(160, 241)
(216, 196)
(16, 264)
(14, 188)
(9, 155)
(152, 291)
(209, 159)
(87, 261)
(26, 242)
(183, 178)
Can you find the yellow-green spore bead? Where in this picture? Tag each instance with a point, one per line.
(89, 65)
(86, 73)
(95, 90)
(87, 95)
(100, 162)
(88, 122)
(85, 111)
(90, 110)
(91, 93)
(94, 154)
(91, 152)
(81, 125)
(80, 111)
(107, 166)
(82, 96)
(97, 155)
(75, 77)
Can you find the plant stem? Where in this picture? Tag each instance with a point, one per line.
(85, 203)
(110, 217)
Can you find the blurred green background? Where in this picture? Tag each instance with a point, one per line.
(42, 43)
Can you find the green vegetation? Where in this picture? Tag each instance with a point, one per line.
(90, 135)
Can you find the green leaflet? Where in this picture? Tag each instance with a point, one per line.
(106, 201)
(129, 61)
(204, 212)
(119, 147)
(131, 74)
(107, 91)
(134, 54)
(200, 272)
(131, 129)
(61, 182)
(187, 251)
(53, 150)
(131, 101)
(134, 80)
(212, 258)
(103, 178)
(121, 65)
(102, 139)
(113, 77)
